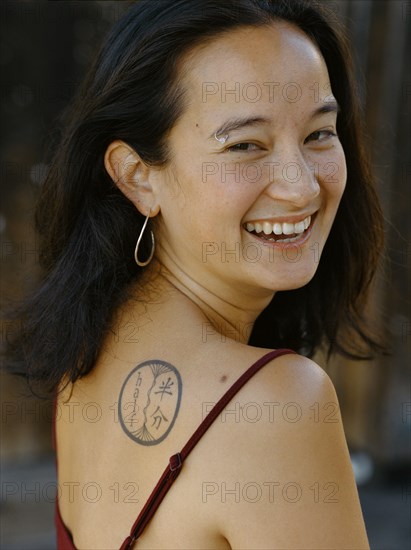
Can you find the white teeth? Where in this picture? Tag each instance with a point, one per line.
(267, 228)
(299, 227)
(288, 228)
(277, 229)
(280, 228)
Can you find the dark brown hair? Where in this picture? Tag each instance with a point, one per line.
(88, 228)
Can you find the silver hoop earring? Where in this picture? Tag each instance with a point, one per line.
(138, 262)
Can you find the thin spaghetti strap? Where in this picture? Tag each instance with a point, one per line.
(64, 538)
(176, 461)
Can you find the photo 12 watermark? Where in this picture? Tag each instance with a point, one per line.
(73, 491)
(255, 252)
(275, 411)
(267, 171)
(269, 492)
(252, 92)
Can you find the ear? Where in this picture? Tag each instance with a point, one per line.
(132, 176)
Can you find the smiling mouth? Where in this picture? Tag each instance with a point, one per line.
(281, 232)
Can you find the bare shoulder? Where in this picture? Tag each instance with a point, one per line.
(286, 466)
(289, 377)
(296, 371)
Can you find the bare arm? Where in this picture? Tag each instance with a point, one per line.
(289, 484)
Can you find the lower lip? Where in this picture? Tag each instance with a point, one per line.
(278, 244)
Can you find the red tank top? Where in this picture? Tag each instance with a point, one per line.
(64, 538)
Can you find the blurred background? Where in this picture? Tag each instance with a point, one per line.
(45, 50)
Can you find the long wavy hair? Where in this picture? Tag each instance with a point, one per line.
(88, 228)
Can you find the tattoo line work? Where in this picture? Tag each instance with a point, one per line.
(149, 401)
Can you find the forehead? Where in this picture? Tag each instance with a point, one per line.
(265, 65)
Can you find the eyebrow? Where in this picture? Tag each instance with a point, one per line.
(245, 122)
(327, 107)
(242, 122)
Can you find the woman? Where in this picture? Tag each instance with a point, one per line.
(224, 138)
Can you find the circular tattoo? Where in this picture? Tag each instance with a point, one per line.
(149, 401)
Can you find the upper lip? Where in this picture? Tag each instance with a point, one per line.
(283, 219)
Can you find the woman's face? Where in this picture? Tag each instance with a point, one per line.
(251, 211)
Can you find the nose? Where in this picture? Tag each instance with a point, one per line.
(292, 179)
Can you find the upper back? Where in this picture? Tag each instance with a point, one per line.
(256, 445)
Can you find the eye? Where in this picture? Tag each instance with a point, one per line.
(245, 146)
(320, 136)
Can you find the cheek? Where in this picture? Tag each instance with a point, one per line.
(217, 193)
(331, 172)
(340, 178)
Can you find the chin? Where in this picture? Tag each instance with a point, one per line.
(290, 279)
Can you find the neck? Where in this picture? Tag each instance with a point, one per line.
(231, 318)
